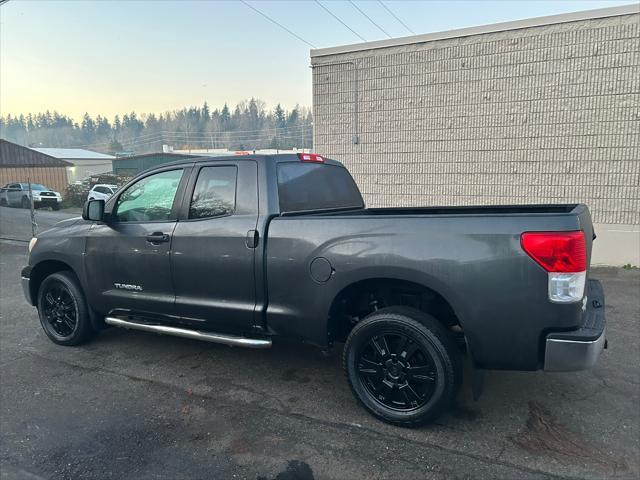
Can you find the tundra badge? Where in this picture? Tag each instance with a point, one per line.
(126, 286)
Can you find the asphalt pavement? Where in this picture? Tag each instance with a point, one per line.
(15, 223)
(139, 405)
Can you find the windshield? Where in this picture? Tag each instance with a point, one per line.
(38, 187)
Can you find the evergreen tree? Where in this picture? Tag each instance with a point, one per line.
(249, 125)
(280, 116)
(225, 117)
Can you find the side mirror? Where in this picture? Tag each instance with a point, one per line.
(93, 210)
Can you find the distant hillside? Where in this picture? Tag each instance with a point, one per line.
(249, 125)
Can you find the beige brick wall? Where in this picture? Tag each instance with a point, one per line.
(546, 114)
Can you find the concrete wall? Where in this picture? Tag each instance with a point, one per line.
(52, 177)
(539, 111)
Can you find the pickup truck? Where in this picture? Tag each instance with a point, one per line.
(240, 250)
(18, 195)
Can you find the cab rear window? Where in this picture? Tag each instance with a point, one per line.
(306, 186)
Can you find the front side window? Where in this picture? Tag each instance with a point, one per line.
(150, 199)
(215, 192)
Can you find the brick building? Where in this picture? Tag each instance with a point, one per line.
(544, 110)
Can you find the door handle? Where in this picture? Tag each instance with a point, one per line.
(252, 239)
(157, 237)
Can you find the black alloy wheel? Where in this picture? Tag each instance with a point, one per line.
(397, 371)
(403, 366)
(60, 309)
(63, 311)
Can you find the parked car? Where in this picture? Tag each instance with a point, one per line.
(240, 250)
(101, 191)
(17, 195)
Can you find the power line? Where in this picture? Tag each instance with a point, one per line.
(278, 24)
(191, 142)
(396, 17)
(369, 18)
(336, 17)
(171, 134)
(230, 136)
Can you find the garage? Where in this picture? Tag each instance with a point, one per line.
(21, 164)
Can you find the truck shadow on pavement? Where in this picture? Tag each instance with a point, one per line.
(518, 415)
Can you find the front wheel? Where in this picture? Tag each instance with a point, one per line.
(55, 206)
(25, 202)
(403, 366)
(63, 311)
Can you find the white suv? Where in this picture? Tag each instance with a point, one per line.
(101, 191)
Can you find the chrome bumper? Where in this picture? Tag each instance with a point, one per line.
(579, 349)
(569, 355)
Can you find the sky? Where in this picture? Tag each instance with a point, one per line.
(112, 57)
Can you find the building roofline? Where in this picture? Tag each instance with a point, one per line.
(478, 30)
(55, 153)
(166, 154)
(60, 162)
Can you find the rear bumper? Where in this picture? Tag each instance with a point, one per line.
(579, 349)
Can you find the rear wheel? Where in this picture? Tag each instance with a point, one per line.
(63, 311)
(403, 366)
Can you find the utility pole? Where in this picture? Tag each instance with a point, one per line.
(34, 225)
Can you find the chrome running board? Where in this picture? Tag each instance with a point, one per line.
(195, 334)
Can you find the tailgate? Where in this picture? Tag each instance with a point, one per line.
(584, 220)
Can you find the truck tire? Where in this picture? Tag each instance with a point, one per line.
(25, 203)
(63, 310)
(403, 366)
(3, 202)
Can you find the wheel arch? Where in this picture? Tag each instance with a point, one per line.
(42, 270)
(429, 295)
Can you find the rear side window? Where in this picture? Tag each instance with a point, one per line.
(215, 192)
(312, 186)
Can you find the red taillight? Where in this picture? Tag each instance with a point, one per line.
(310, 157)
(557, 251)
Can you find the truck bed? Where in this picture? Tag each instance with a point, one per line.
(472, 256)
(463, 210)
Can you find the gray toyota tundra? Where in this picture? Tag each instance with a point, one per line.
(239, 250)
